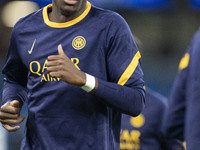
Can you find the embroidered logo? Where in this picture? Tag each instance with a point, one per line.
(78, 42)
(30, 51)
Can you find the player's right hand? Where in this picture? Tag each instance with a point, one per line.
(9, 115)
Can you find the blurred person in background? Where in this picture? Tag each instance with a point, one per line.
(183, 118)
(74, 101)
(192, 120)
(175, 122)
(146, 131)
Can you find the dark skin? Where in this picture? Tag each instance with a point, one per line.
(62, 67)
(9, 115)
(63, 12)
(58, 65)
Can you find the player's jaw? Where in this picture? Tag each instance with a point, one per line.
(70, 8)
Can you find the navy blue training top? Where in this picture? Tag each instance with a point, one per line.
(145, 132)
(63, 116)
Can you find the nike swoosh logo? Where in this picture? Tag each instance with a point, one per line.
(30, 51)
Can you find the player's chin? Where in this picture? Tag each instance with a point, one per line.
(68, 10)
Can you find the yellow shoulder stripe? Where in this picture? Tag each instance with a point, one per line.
(184, 61)
(130, 69)
(65, 24)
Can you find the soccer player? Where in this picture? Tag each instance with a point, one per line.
(145, 132)
(175, 121)
(182, 121)
(78, 68)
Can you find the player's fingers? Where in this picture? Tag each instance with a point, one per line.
(15, 103)
(9, 128)
(54, 57)
(55, 74)
(58, 57)
(53, 69)
(53, 63)
(10, 109)
(4, 115)
(62, 53)
(12, 121)
(60, 50)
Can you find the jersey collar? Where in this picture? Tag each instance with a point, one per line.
(65, 24)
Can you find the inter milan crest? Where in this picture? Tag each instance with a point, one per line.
(78, 42)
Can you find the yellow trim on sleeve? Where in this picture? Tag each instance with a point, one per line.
(130, 69)
(184, 61)
(184, 144)
(65, 24)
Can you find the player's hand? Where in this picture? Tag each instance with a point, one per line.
(62, 67)
(9, 115)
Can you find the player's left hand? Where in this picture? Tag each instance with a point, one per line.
(62, 67)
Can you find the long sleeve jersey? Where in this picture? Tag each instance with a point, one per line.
(63, 116)
(145, 132)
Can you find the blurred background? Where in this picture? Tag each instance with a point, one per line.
(163, 29)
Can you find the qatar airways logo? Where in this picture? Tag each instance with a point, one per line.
(38, 69)
(130, 139)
